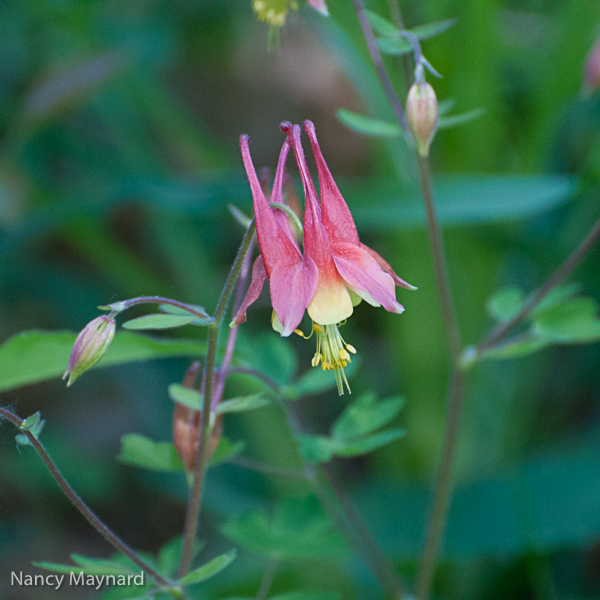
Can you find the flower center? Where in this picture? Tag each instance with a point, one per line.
(333, 353)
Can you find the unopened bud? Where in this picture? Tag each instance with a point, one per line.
(90, 346)
(591, 73)
(422, 114)
(186, 434)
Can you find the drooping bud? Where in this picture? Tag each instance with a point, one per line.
(422, 114)
(186, 426)
(591, 73)
(90, 346)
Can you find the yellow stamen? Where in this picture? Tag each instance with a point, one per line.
(332, 353)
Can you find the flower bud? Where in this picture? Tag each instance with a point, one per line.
(90, 346)
(591, 73)
(422, 115)
(186, 434)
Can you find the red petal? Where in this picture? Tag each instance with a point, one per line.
(335, 214)
(387, 268)
(258, 279)
(274, 242)
(293, 285)
(361, 271)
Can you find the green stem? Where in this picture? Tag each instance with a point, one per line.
(289, 211)
(555, 279)
(267, 579)
(82, 507)
(125, 304)
(195, 496)
(443, 490)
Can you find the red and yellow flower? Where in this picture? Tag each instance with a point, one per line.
(336, 270)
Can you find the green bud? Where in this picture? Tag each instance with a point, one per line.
(90, 346)
(422, 114)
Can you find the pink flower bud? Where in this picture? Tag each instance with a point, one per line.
(422, 115)
(90, 346)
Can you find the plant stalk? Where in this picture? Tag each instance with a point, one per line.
(82, 507)
(195, 496)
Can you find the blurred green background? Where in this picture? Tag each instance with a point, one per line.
(119, 126)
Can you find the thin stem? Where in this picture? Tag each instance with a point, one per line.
(386, 83)
(195, 497)
(344, 514)
(443, 488)
(125, 304)
(82, 507)
(399, 23)
(439, 261)
(267, 579)
(555, 279)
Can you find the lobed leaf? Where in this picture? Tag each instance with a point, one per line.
(159, 321)
(210, 569)
(505, 304)
(189, 397)
(243, 403)
(367, 125)
(140, 451)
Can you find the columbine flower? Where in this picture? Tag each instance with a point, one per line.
(336, 271)
(348, 270)
(90, 346)
(292, 277)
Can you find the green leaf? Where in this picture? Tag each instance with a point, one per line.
(429, 30)
(400, 45)
(170, 553)
(460, 200)
(243, 403)
(445, 122)
(187, 396)
(226, 450)
(315, 448)
(88, 566)
(505, 304)
(33, 356)
(34, 424)
(159, 321)
(298, 529)
(381, 25)
(368, 444)
(140, 451)
(209, 569)
(575, 321)
(364, 415)
(316, 381)
(516, 347)
(270, 354)
(177, 310)
(558, 295)
(367, 125)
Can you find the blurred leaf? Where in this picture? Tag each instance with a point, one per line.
(269, 354)
(140, 451)
(209, 569)
(505, 304)
(368, 444)
(381, 25)
(177, 310)
(364, 415)
(225, 450)
(159, 321)
(33, 356)
(367, 125)
(187, 396)
(445, 122)
(460, 200)
(34, 424)
(243, 403)
(556, 296)
(316, 381)
(88, 566)
(516, 347)
(570, 322)
(400, 45)
(306, 595)
(315, 448)
(298, 529)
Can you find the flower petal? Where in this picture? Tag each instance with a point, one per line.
(388, 268)
(362, 272)
(258, 279)
(293, 286)
(335, 214)
(331, 303)
(274, 242)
